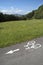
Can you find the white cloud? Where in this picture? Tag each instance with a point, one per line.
(11, 10)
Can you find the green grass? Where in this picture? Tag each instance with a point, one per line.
(19, 31)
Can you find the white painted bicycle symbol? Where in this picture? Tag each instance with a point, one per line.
(32, 45)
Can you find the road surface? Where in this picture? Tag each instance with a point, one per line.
(21, 55)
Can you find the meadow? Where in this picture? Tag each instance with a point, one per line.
(14, 32)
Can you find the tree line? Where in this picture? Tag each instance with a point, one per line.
(11, 17)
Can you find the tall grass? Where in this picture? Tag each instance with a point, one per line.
(18, 31)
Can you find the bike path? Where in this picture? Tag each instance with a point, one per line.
(30, 56)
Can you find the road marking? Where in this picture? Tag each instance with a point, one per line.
(32, 45)
(29, 45)
(37, 46)
(12, 51)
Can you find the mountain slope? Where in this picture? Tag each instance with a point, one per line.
(37, 14)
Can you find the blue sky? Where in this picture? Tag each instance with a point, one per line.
(19, 6)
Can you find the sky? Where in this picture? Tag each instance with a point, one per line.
(19, 6)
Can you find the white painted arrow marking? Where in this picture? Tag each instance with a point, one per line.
(12, 51)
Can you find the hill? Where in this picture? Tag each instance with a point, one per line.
(37, 14)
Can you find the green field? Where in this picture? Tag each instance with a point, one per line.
(19, 31)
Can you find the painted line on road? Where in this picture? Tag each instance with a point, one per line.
(12, 51)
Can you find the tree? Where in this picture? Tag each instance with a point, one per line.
(39, 13)
(2, 17)
(30, 15)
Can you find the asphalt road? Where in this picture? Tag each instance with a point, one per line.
(22, 57)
